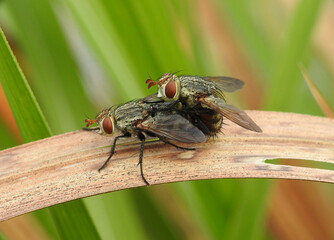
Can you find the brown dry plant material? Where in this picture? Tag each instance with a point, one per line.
(64, 167)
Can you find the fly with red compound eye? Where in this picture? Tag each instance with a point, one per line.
(195, 92)
(205, 119)
(143, 119)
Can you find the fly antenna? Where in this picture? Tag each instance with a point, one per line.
(90, 122)
(151, 82)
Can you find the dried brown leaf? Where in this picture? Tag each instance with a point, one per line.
(64, 167)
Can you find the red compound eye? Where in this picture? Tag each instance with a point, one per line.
(107, 125)
(170, 89)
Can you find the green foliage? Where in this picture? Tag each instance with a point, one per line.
(54, 71)
(7, 139)
(285, 71)
(2, 237)
(27, 113)
(32, 125)
(73, 221)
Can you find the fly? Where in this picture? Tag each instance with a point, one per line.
(205, 119)
(142, 119)
(200, 93)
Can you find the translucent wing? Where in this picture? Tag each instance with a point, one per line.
(231, 112)
(173, 127)
(153, 98)
(226, 84)
(154, 104)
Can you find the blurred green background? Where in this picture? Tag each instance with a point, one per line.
(81, 56)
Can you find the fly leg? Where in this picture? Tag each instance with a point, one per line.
(112, 151)
(141, 154)
(174, 145)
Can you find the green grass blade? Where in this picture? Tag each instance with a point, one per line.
(2, 237)
(318, 96)
(249, 35)
(73, 221)
(130, 31)
(33, 126)
(26, 111)
(219, 207)
(286, 78)
(55, 76)
(113, 213)
(155, 218)
(100, 32)
(159, 31)
(7, 140)
(247, 219)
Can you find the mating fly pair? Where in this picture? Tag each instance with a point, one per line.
(147, 117)
(186, 109)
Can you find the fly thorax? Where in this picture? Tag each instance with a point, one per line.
(187, 95)
(190, 101)
(128, 115)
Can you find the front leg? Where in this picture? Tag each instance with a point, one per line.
(112, 151)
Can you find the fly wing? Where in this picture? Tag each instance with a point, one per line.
(153, 98)
(226, 84)
(153, 104)
(173, 127)
(231, 112)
